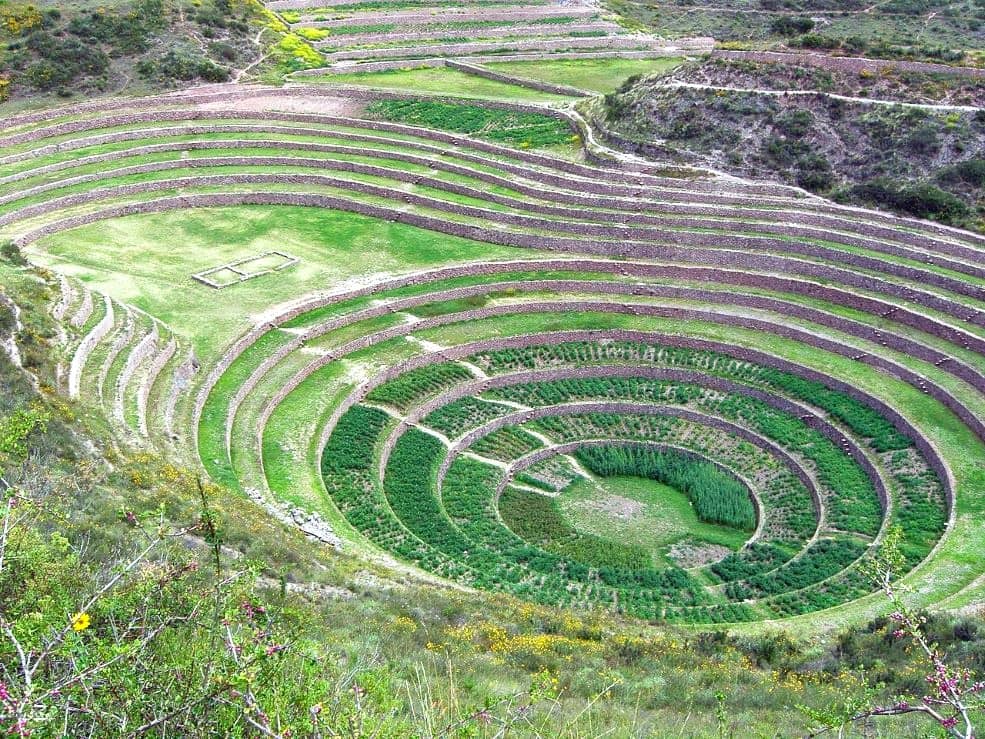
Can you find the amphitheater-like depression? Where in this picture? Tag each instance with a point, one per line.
(589, 384)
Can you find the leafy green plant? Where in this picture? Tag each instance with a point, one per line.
(526, 130)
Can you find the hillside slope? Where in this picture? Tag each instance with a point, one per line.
(60, 50)
(834, 135)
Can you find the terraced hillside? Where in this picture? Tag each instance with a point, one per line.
(403, 34)
(502, 364)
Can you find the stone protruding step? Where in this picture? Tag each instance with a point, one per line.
(84, 310)
(122, 339)
(180, 384)
(151, 376)
(141, 353)
(86, 347)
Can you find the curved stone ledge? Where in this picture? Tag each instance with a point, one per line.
(144, 349)
(236, 92)
(515, 31)
(906, 346)
(551, 46)
(591, 173)
(809, 416)
(147, 383)
(630, 223)
(904, 426)
(86, 347)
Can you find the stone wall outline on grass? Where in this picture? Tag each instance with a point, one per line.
(203, 276)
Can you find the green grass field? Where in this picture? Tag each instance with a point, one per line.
(440, 81)
(594, 75)
(634, 510)
(149, 260)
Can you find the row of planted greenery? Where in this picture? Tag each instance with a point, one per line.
(457, 532)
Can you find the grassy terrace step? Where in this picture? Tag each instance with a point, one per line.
(920, 255)
(787, 496)
(398, 442)
(552, 45)
(409, 328)
(439, 42)
(455, 212)
(102, 323)
(424, 520)
(462, 14)
(389, 164)
(107, 130)
(509, 307)
(164, 156)
(446, 31)
(592, 379)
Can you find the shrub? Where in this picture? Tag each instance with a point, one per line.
(816, 41)
(815, 173)
(969, 172)
(62, 61)
(920, 199)
(787, 25)
(183, 66)
(795, 123)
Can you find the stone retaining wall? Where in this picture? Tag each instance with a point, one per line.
(550, 46)
(489, 74)
(924, 446)
(153, 372)
(685, 247)
(86, 347)
(633, 230)
(353, 39)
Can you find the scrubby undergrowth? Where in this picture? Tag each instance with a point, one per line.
(62, 50)
(890, 83)
(916, 161)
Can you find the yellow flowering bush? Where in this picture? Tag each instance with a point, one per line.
(312, 34)
(19, 19)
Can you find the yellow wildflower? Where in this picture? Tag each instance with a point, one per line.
(81, 621)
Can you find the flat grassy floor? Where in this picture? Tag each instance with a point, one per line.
(595, 75)
(439, 81)
(148, 260)
(634, 510)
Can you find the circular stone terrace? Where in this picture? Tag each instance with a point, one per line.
(501, 366)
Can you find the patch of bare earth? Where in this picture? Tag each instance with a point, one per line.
(615, 506)
(319, 104)
(691, 554)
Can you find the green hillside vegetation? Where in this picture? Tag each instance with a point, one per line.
(914, 161)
